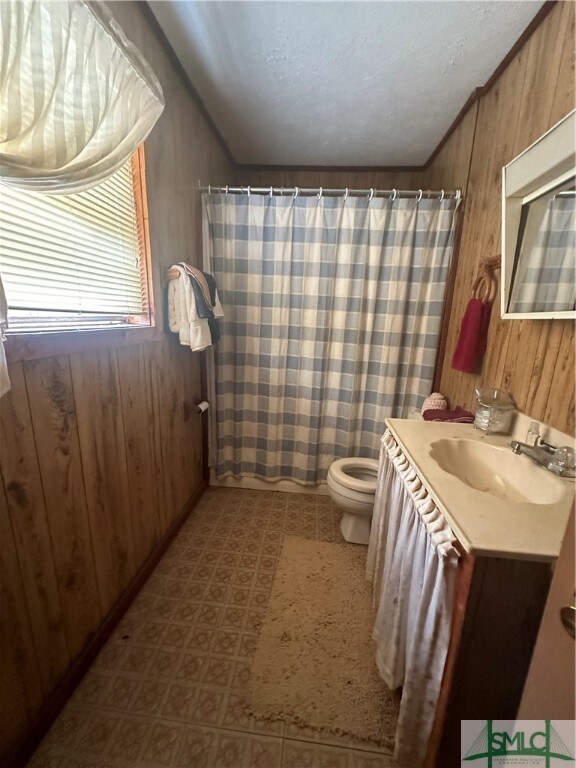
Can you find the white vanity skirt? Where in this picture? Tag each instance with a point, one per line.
(412, 565)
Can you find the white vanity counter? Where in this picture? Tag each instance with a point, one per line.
(525, 520)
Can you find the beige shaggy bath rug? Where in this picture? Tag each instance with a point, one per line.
(314, 663)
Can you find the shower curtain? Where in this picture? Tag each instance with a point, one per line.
(545, 275)
(332, 312)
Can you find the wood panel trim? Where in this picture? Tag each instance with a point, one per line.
(143, 225)
(43, 720)
(35, 346)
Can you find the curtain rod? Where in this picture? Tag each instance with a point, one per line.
(320, 192)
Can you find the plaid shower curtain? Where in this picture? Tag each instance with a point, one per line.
(545, 279)
(331, 319)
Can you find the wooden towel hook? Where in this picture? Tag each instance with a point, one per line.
(493, 263)
(171, 274)
(485, 285)
(484, 288)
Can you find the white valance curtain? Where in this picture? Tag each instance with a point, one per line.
(76, 97)
(412, 565)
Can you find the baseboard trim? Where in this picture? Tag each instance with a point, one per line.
(45, 717)
(256, 484)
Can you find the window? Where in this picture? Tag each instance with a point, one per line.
(78, 261)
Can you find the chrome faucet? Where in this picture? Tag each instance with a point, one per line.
(560, 461)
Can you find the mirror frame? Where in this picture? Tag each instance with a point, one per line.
(542, 166)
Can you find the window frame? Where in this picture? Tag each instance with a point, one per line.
(33, 345)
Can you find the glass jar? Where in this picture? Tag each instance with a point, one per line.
(495, 411)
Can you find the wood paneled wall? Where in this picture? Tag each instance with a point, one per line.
(100, 450)
(533, 359)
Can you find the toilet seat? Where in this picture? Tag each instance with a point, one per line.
(340, 468)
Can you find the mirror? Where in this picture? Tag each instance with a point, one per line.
(539, 228)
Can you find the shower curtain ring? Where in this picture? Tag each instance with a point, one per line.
(419, 196)
(442, 196)
(248, 191)
(346, 193)
(394, 194)
(209, 189)
(296, 191)
(271, 192)
(371, 195)
(226, 188)
(319, 192)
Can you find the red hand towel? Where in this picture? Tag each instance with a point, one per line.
(457, 415)
(472, 336)
(484, 325)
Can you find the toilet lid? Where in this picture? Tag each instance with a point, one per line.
(341, 468)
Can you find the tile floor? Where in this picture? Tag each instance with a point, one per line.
(169, 687)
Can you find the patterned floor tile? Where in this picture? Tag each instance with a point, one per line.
(196, 748)
(169, 689)
(264, 752)
(218, 672)
(93, 687)
(149, 697)
(207, 706)
(137, 659)
(298, 754)
(160, 745)
(121, 692)
(126, 744)
(178, 702)
(99, 733)
(370, 760)
(232, 750)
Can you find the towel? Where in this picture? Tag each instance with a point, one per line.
(215, 309)
(471, 344)
(214, 298)
(458, 415)
(484, 326)
(198, 276)
(207, 300)
(193, 331)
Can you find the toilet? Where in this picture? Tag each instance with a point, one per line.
(352, 487)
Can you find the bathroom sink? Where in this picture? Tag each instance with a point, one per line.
(497, 471)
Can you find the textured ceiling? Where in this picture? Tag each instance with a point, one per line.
(339, 83)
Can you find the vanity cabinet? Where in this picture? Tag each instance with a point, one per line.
(498, 607)
(506, 518)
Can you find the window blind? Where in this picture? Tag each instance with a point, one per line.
(72, 260)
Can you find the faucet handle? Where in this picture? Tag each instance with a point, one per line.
(533, 434)
(547, 447)
(564, 458)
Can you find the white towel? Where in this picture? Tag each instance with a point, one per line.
(4, 378)
(193, 331)
(217, 308)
